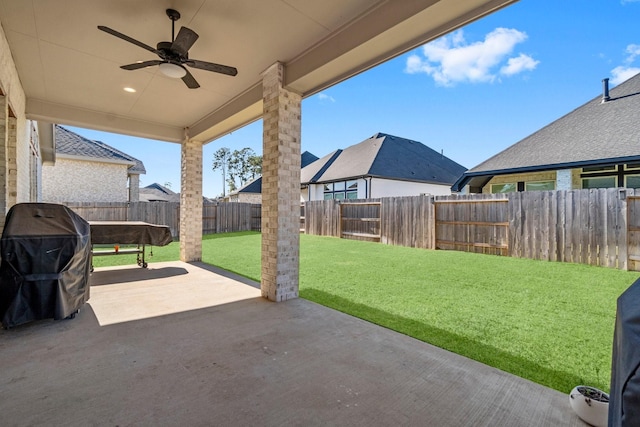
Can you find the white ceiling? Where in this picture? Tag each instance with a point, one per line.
(70, 70)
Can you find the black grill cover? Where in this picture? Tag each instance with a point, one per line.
(46, 262)
(624, 398)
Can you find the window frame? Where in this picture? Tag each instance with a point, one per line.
(514, 184)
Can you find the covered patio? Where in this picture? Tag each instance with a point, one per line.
(60, 63)
(187, 344)
(180, 343)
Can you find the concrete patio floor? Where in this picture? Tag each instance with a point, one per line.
(187, 344)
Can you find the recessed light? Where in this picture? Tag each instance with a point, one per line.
(129, 89)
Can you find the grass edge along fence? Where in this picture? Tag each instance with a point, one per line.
(596, 226)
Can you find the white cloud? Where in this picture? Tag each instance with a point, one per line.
(633, 51)
(622, 73)
(626, 71)
(451, 59)
(519, 64)
(324, 97)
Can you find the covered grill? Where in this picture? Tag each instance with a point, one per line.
(624, 406)
(46, 261)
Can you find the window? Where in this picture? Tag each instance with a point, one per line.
(632, 181)
(599, 182)
(632, 166)
(540, 186)
(503, 188)
(341, 190)
(600, 169)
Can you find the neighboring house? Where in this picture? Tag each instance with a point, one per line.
(381, 166)
(251, 192)
(90, 171)
(595, 146)
(158, 193)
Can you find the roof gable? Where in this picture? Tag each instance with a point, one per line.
(385, 156)
(71, 144)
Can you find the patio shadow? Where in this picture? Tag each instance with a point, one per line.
(124, 275)
(464, 346)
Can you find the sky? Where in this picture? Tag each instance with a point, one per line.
(469, 94)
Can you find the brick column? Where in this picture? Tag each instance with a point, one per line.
(280, 187)
(134, 187)
(12, 161)
(4, 118)
(191, 201)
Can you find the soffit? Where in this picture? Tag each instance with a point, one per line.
(70, 70)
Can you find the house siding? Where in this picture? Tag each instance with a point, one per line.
(378, 187)
(392, 188)
(83, 181)
(246, 198)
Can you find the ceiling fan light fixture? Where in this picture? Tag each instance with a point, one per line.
(172, 70)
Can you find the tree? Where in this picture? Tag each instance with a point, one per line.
(240, 168)
(255, 166)
(221, 160)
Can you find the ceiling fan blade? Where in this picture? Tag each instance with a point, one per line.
(186, 38)
(190, 81)
(128, 39)
(210, 66)
(138, 65)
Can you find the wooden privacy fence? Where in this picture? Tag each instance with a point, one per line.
(360, 220)
(472, 225)
(216, 217)
(596, 226)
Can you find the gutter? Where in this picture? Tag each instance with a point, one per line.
(467, 176)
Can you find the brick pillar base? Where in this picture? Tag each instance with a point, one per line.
(280, 188)
(191, 201)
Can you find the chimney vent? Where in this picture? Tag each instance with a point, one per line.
(605, 90)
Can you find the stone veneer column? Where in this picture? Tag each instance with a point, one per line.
(191, 201)
(280, 187)
(134, 187)
(563, 179)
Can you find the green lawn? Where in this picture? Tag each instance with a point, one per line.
(549, 322)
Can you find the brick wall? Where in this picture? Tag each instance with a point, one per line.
(15, 171)
(84, 181)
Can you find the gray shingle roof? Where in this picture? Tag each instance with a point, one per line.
(156, 192)
(255, 186)
(594, 133)
(385, 156)
(72, 144)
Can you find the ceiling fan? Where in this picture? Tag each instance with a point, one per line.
(174, 55)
